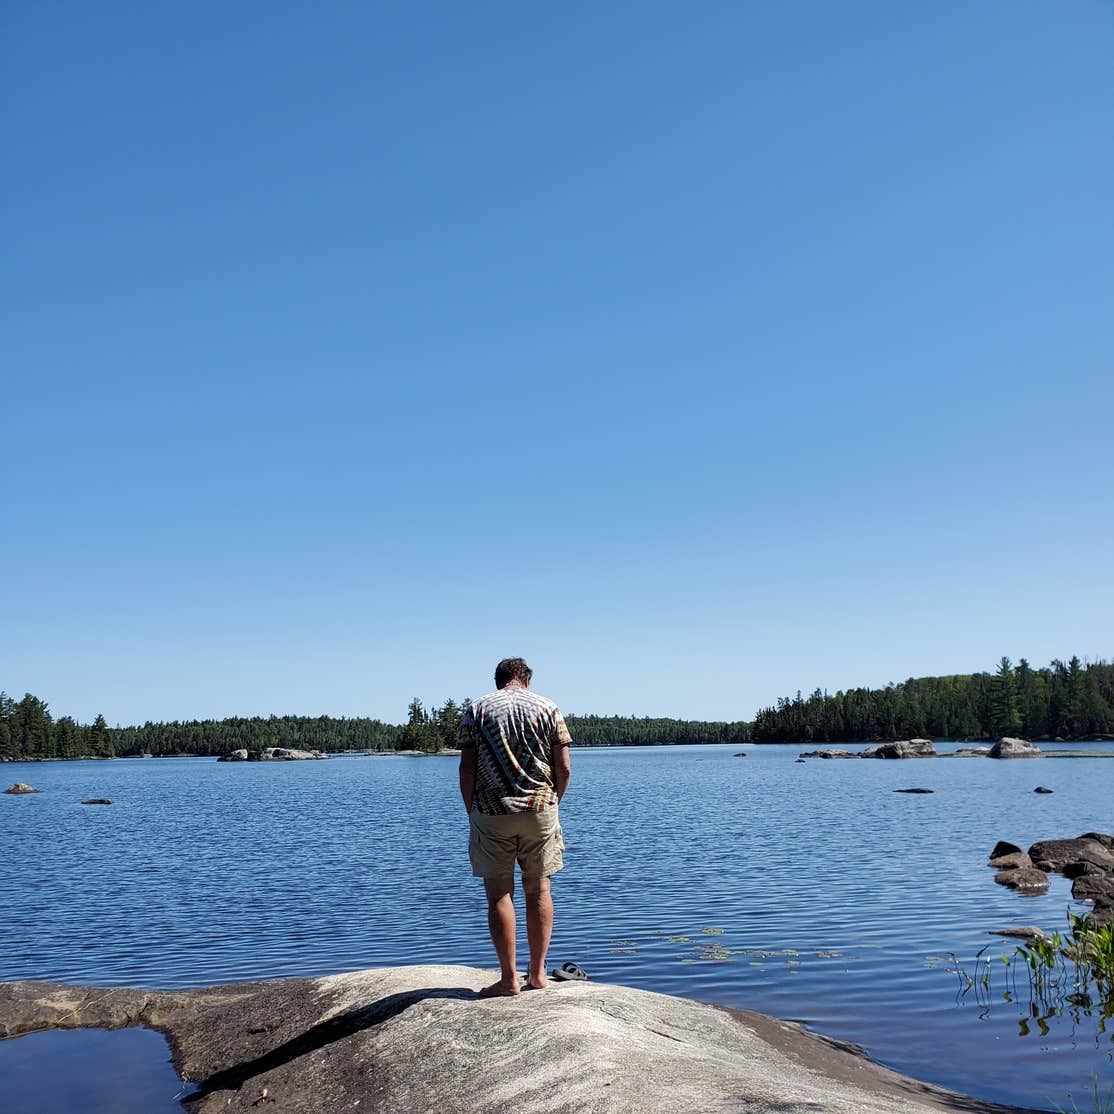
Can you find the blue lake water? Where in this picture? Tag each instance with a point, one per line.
(90, 1071)
(833, 895)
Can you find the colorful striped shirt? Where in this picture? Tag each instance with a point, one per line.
(515, 733)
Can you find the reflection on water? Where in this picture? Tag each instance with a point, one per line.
(90, 1071)
(810, 891)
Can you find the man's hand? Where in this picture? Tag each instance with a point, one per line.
(467, 776)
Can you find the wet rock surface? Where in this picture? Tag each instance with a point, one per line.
(1059, 852)
(1011, 862)
(1026, 878)
(20, 788)
(420, 1038)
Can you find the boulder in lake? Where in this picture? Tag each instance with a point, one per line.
(902, 748)
(97, 801)
(1014, 748)
(971, 752)
(1016, 861)
(1057, 852)
(1083, 869)
(915, 790)
(831, 752)
(741, 754)
(1100, 837)
(1042, 789)
(287, 754)
(1096, 888)
(1021, 932)
(1002, 847)
(234, 756)
(1102, 914)
(20, 788)
(1026, 879)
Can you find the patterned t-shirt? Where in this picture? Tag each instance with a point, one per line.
(515, 733)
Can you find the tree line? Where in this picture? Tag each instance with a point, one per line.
(1065, 701)
(1069, 700)
(28, 730)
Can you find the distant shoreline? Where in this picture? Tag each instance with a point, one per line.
(450, 752)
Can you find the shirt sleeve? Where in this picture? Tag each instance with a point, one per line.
(561, 737)
(466, 736)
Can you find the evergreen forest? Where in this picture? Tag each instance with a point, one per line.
(28, 730)
(1072, 700)
(1064, 701)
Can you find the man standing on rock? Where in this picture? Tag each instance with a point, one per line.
(514, 769)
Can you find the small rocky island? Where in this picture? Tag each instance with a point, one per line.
(417, 1039)
(925, 748)
(272, 754)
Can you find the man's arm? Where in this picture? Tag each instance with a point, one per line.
(562, 770)
(467, 776)
(466, 740)
(562, 762)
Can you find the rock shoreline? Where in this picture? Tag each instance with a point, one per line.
(420, 1039)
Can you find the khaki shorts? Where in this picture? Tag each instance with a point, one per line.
(532, 839)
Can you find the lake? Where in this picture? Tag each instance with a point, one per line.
(808, 891)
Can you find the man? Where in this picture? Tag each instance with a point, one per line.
(514, 769)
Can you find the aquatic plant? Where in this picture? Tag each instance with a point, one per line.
(1098, 1103)
(1069, 973)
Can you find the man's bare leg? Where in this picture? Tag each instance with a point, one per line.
(539, 927)
(501, 922)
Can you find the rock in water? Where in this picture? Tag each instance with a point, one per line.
(1042, 789)
(234, 756)
(97, 801)
(1015, 748)
(1023, 878)
(831, 752)
(903, 748)
(1015, 861)
(1003, 848)
(286, 754)
(1021, 932)
(1057, 852)
(1096, 888)
(20, 788)
(914, 790)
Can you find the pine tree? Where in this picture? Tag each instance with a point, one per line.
(101, 740)
(1005, 712)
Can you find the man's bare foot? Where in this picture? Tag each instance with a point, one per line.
(501, 989)
(538, 981)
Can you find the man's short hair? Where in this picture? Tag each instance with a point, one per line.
(512, 669)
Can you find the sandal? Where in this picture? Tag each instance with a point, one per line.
(569, 972)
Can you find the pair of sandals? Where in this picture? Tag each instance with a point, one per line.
(568, 972)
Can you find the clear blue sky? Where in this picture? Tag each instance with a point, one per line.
(698, 353)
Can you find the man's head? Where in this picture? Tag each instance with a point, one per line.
(512, 671)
